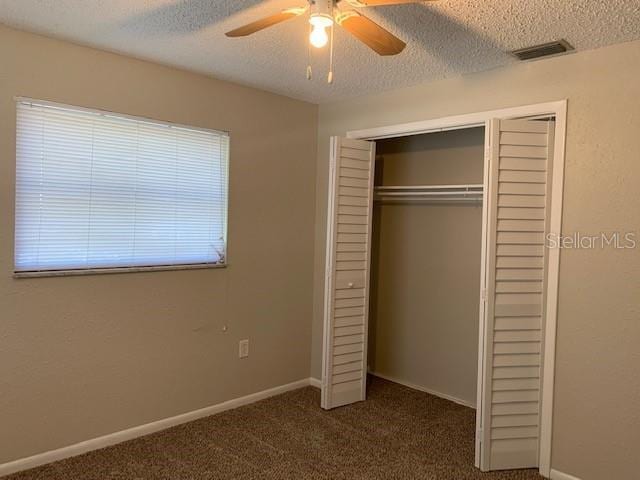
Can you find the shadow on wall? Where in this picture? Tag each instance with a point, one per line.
(423, 143)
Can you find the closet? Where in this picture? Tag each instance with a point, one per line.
(425, 262)
(437, 275)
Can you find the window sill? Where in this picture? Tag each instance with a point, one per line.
(101, 271)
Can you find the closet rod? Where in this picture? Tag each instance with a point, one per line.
(432, 193)
(469, 188)
(429, 194)
(445, 201)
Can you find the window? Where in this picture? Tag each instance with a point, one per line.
(96, 190)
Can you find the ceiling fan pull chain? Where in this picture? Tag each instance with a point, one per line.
(330, 76)
(309, 70)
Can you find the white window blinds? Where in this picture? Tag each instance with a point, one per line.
(97, 190)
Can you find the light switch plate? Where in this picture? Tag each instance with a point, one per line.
(243, 349)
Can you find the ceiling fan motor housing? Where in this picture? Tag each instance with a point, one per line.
(356, 3)
(322, 8)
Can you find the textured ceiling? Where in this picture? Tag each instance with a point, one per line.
(445, 38)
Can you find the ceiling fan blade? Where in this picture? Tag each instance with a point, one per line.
(266, 22)
(375, 3)
(370, 33)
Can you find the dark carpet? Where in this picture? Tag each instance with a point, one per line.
(398, 433)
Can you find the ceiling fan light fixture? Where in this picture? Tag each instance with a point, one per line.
(320, 22)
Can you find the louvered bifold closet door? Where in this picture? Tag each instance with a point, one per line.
(520, 166)
(347, 272)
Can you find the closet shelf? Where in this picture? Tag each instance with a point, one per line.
(431, 193)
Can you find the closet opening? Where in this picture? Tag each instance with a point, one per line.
(425, 278)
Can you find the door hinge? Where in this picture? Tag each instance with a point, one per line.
(483, 294)
(479, 434)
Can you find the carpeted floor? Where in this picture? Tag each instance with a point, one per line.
(398, 433)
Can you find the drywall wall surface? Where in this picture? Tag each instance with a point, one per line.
(85, 356)
(596, 429)
(425, 277)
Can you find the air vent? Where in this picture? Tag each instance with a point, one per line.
(544, 50)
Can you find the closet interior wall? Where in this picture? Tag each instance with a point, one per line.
(425, 272)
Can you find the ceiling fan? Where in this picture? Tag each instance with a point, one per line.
(323, 14)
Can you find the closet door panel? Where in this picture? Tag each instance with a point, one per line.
(347, 272)
(520, 161)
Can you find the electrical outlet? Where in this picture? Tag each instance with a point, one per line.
(243, 349)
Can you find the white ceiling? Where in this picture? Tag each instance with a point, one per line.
(445, 38)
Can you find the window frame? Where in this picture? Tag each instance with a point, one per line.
(125, 269)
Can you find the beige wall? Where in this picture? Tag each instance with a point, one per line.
(85, 356)
(596, 431)
(425, 277)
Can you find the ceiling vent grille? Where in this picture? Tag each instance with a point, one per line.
(545, 50)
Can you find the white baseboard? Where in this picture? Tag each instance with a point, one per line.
(146, 429)
(459, 401)
(314, 382)
(556, 475)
